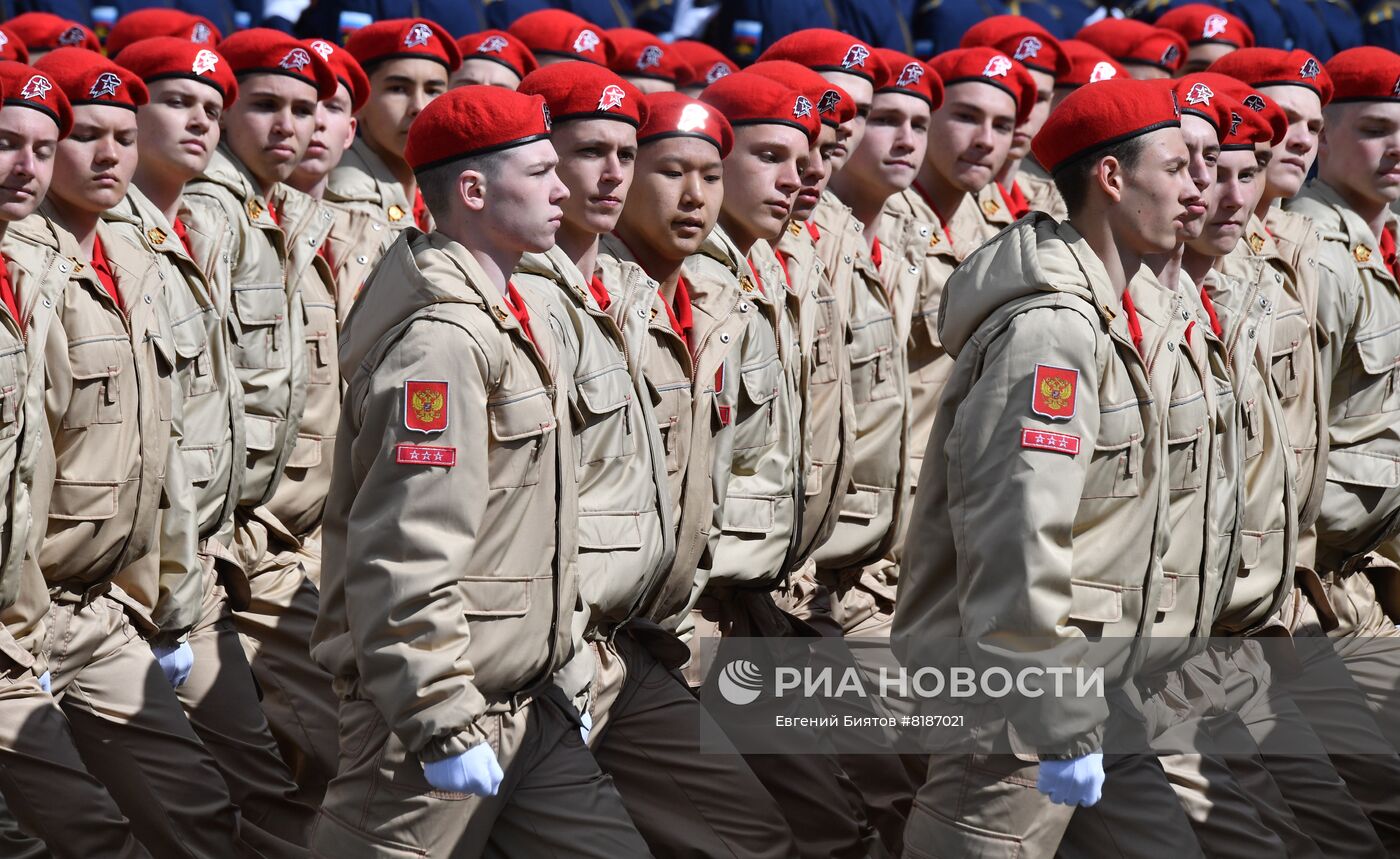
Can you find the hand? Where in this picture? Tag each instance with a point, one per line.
(46, 682)
(175, 661)
(1078, 781)
(587, 725)
(473, 771)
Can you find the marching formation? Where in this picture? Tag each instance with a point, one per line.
(388, 430)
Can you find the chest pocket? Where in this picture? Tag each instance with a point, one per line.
(260, 311)
(96, 366)
(159, 343)
(1371, 382)
(320, 343)
(195, 366)
(757, 425)
(872, 354)
(519, 427)
(828, 326)
(604, 399)
(1290, 351)
(1115, 467)
(1187, 451)
(670, 402)
(11, 389)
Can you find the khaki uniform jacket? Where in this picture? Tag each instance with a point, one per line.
(1040, 190)
(1248, 309)
(362, 182)
(876, 364)
(244, 255)
(1359, 314)
(300, 496)
(447, 590)
(357, 241)
(694, 413)
(38, 276)
(828, 418)
(1006, 556)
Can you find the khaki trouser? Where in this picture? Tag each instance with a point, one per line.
(45, 782)
(646, 735)
(276, 632)
(133, 735)
(554, 801)
(221, 701)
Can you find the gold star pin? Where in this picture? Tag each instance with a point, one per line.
(653, 315)
(500, 312)
(934, 239)
(990, 206)
(77, 266)
(156, 235)
(396, 213)
(1256, 242)
(746, 284)
(255, 209)
(1362, 253)
(795, 228)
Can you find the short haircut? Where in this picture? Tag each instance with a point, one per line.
(1072, 179)
(439, 184)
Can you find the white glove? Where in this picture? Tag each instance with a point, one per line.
(1078, 781)
(176, 662)
(473, 771)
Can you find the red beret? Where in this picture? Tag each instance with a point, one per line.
(746, 99)
(1365, 74)
(261, 51)
(347, 71)
(474, 120)
(1022, 39)
(41, 31)
(1264, 121)
(1129, 41)
(1088, 65)
(1262, 67)
(671, 114)
(1200, 24)
(498, 46)
(169, 57)
(87, 77)
(403, 38)
(26, 86)
(145, 23)
(562, 34)
(1202, 95)
(830, 51)
(706, 64)
(639, 53)
(834, 105)
(579, 90)
(12, 46)
(988, 66)
(911, 76)
(1110, 112)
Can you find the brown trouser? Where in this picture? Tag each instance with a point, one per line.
(45, 782)
(133, 734)
(221, 701)
(646, 735)
(554, 801)
(276, 631)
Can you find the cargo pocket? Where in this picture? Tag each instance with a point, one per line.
(518, 428)
(320, 343)
(11, 392)
(1371, 382)
(199, 463)
(828, 326)
(1251, 412)
(758, 425)
(96, 367)
(83, 500)
(260, 311)
(607, 532)
(860, 504)
(604, 400)
(191, 340)
(1363, 469)
(748, 516)
(164, 382)
(1115, 468)
(496, 596)
(1094, 605)
(872, 355)
(1289, 352)
(1187, 445)
(671, 409)
(306, 452)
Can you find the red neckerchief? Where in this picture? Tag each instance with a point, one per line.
(757, 281)
(877, 253)
(1210, 311)
(682, 319)
(519, 310)
(7, 293)
(600, 292)
(1388, 251)
(324, 252)
(812, 231)
(782, 263)
(420, 210)
(1015, 200)
(103, 270)
(1134, 324)
(183, 234)
(919, 189)
(272, 213)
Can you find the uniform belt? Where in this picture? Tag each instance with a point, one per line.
(79, 593)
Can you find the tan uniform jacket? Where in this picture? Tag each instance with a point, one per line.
(244, 255)
(300, 496)
(447, 589)
(1040, 190)
(38, 276)
(1014, 533)
(1248, 308)
(828, 419)
(1359, 313)
(357, 241)
(695, 416)
(875, 353)
(363, 183)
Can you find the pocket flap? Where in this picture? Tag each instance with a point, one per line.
(260, 304)
(83, 501)
(1166, 601)
(530, 416)
(1251, 546)
(761, 383)
(861, 503)
(199, 463)
(306, 453)
(604, 531)
(1379, 353)
(1095, 603)
(94, 359)
(748, 515)
(1362, 469)
(813, 484)
(260, 433)
(190, 336)
(871, 339)
(605, 392)
(496, 596)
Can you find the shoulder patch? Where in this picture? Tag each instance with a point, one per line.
(1057, 442)
(423, 454)
(1053, 392)
(425, 406)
